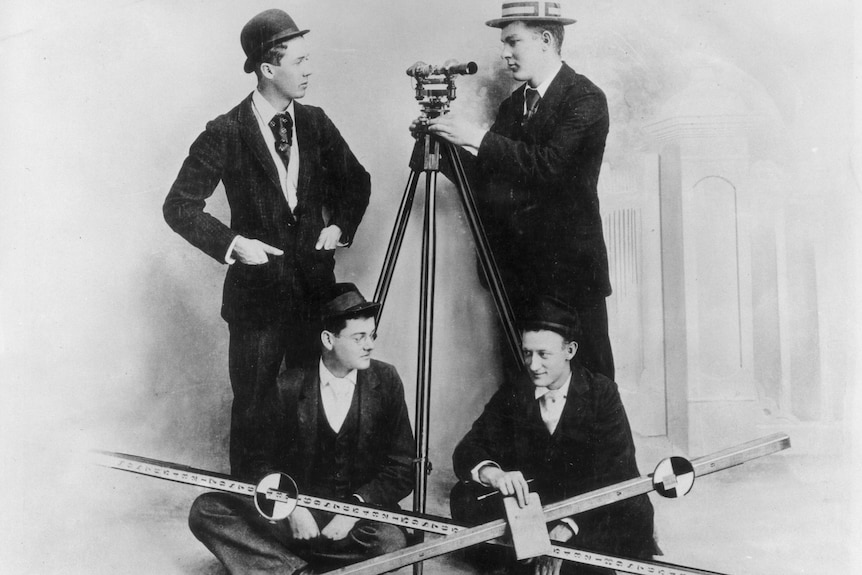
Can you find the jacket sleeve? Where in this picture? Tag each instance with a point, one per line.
(581, 122)
(394, 477)
(198, 177)
(348, 184)
(488, 439)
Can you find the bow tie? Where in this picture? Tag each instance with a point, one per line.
(551, 395)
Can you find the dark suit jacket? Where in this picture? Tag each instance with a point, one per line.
(591, 447)
(382, 463)
(232, 150)
(536, 190)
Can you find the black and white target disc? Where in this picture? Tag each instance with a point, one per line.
(275, 496)
(673, 477)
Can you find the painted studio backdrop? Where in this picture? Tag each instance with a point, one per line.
(730, 198)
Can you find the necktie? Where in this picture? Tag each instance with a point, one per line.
(282, 128)
(551, 405)
(532, 100)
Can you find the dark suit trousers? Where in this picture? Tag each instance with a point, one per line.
(246, 543)
(594, 345)
(254, 358)
(467, 510)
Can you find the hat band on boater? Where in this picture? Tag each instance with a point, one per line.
(531, 10)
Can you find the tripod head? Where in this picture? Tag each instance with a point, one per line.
(435, 85)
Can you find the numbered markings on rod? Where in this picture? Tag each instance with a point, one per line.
(275, 497)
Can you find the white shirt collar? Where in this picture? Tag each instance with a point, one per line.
(560, 392)
(543, 87)
(327, 377)
(265, 109)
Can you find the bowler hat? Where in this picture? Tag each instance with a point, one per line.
(549, 313)
(265, 31)
(531, 11)
(345, 300)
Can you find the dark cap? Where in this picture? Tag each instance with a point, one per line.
(345, 300)
(265, 31)
(535, 11)
(549, 313)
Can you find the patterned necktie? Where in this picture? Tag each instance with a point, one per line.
(532, 100)
(282, 128)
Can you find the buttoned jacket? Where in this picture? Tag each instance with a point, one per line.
(332, 188)
(536, 185)
(381, 462)
(591, 447)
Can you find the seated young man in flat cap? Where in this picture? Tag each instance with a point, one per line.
(296, 193)
(341, 430)
(565, 429)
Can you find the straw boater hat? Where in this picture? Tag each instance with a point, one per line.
(530, 11)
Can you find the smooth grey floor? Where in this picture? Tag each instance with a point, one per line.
(789, 513)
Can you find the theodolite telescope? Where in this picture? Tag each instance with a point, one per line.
(435, 85)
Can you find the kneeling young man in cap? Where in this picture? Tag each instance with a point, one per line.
(566, 431)
(296, 192)
(341, 430)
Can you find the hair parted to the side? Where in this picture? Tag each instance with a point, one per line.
(555, 29)
(338, 323)
(569, 335)
(272, 55)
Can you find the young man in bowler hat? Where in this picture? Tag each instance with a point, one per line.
(567, 431)
(341, 430)
(296, 192)
(535, 172)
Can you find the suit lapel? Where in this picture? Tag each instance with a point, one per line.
(551, 100)
(575, 410)
(516, 125)
(368, 399)
(532, 410)
(250, 130)
(530, 435)
(304, 132)
(307, 408)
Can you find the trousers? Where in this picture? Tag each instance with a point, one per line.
(468, 510)
(255, 355)
(246, 543)
(594, 345)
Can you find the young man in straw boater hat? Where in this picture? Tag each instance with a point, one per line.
(296, 192)
(535, 172)
(341, 429)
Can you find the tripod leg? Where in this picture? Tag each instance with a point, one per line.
(426, 327)
(486, 257)
(395, 241)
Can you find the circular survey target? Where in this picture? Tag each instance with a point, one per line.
(673, 477)
(275, 496)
